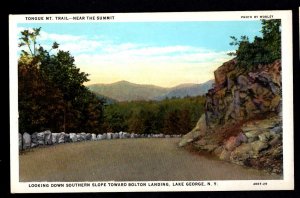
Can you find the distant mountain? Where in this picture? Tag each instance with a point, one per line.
(127, 91)
(184, 90)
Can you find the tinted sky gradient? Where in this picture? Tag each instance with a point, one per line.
(160, 53)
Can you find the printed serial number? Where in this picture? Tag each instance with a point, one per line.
(260, 183)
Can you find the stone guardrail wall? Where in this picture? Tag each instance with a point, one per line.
(36, 139)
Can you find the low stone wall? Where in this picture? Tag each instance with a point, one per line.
(36, 139)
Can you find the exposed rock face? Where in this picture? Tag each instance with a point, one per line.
(198, 131)
(242, 121)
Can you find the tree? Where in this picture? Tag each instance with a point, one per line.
(262, 50)
(171, 123)
(51, 90)
(39, 103)
(184, 121)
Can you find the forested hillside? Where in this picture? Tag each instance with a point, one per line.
(170, 116)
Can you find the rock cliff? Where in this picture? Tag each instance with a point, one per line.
(242, 121)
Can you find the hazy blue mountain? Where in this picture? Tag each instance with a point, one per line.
(127, 91)
(184, 90)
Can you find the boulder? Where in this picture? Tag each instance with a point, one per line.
(48, 137)
(241, 154)
(100, 137)
(73, 137)
(225, 155)
(221, 72)
(41, 138)
(61, 138)
(199, 130)
(34, 140)
(20, 141)
(55, 138)
(235, 141)
(209, 147)
(109, 136)
(138, 135)
(243, 82)
(83, 136)
(276, 130)
(161, 135)
(94, 137)
(275, 102)
(104, 136)
(67, 138)
(276, 139)
(121, 135)
(79, 137)
(218, 150)
(115, 135)
(252, 139)
(260, 91)
(265, 137)
(127, 135)
(26, 140)
(88, 136)
(258, 146)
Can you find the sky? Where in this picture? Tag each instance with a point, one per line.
(159, 53)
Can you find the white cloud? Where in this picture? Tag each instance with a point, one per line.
(107, 61)
(164, 68)
(59, 37)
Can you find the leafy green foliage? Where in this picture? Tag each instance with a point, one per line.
(51, 91)
(262, 50)
(169, 116)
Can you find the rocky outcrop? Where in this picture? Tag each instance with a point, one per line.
(242, 122)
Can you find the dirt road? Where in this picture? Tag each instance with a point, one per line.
(127, 160)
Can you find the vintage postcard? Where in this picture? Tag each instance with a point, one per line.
(187, 101)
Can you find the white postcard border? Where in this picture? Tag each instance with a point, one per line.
(287, 183)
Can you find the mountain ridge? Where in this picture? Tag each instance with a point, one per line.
(126, 91)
